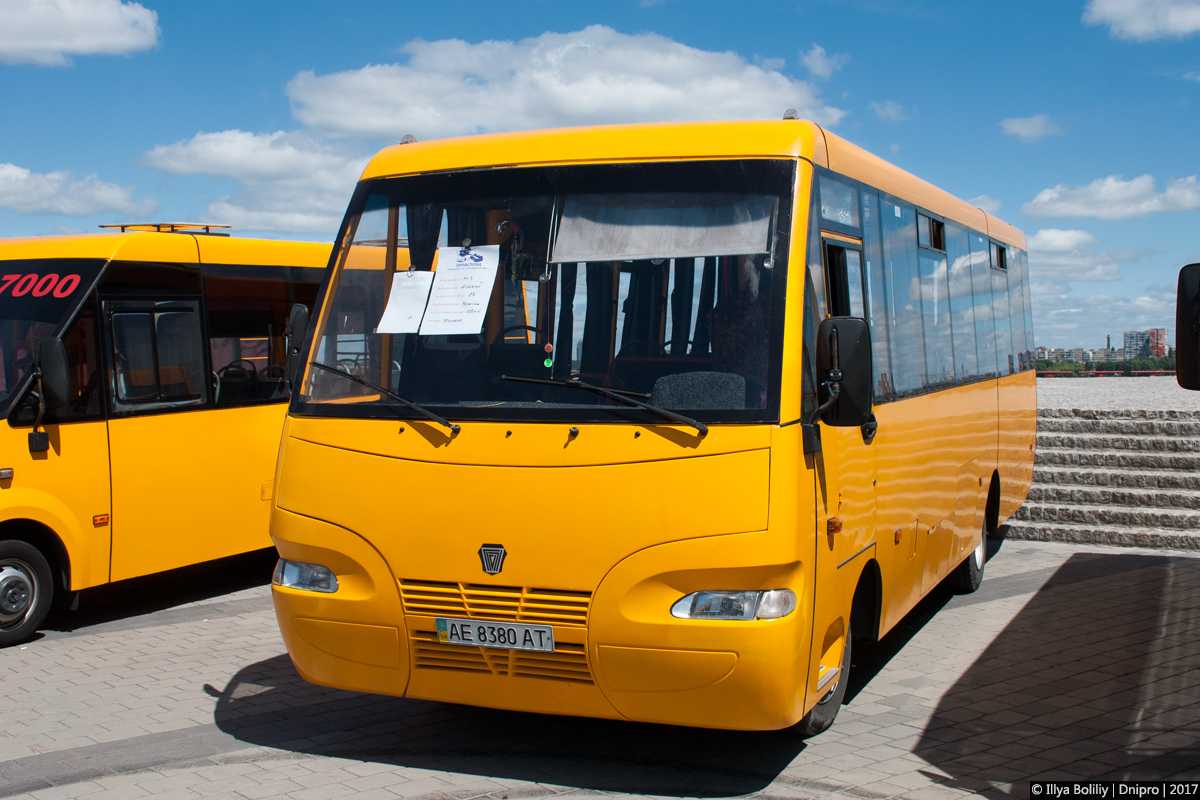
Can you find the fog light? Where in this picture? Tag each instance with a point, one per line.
(735, 605)
(306, 577)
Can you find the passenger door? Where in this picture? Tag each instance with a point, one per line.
(846, 498)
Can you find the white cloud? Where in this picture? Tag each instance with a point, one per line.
(1058, 256)
(1143, 20)
(28, 192)
(895, 148)
(589, 77)
(891, 111)
(1054, 240)
(1114, 198)
(1192, 76)
(290, 181)
(989, 204)
(820, 65)
(1030, 129)
(49, 32)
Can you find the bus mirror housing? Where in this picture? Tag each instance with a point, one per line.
(844, 372)
(50, 366)
(1187, 328)
(297, 330)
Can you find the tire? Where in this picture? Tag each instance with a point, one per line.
(969, 574)
(826, 710)
(26, 591)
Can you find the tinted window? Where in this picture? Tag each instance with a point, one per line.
(962, 319)
(1000, 313)
(1016, 305)
(1029, 341)
(158, 361)
(877, 302)
(906, 333)
(248, 310)
(839, 202)
(935, 308)
(981, 311)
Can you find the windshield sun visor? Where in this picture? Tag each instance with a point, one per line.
(629, 227)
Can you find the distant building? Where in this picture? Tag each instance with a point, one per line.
(1137, 344)
(1143, 344)
(1158, 342)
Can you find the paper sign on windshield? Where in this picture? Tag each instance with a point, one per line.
(406, 304)
(462, 288)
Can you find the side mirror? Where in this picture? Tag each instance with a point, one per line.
(844, 372)
(50, 358)
(297, 330)
(1187, 328)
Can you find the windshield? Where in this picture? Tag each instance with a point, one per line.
(663, 280)
(38, 297)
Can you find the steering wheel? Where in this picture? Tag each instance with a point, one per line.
(237, 370)
(537, 332)
(662, 348)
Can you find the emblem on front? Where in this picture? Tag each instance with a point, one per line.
(492, 558)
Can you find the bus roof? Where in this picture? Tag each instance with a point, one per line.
(182, 248)
(683, 140)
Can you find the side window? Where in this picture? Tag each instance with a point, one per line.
(877, 303)
(1029, 346)
(844, 276)
(157, 357)
(86, 401)
(935, 302)
(247, 309)
(907, 333)
(1000, 310)
(985, 327)
(962, 323)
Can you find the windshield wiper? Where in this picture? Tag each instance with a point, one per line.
(424, 412)
(615, 394)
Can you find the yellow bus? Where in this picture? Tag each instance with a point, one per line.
(143, 378)
(645, 422)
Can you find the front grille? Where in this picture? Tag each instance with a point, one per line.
(567, 663)
(502, 603)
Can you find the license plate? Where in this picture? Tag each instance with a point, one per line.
(486, 633)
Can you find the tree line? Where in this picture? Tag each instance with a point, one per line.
(1143, 363)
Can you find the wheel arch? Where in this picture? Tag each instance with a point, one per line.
(48, 543)
(991, 511)
(866, 609)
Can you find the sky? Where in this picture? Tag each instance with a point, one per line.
(1078, 121)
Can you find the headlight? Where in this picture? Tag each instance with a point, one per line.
(307, 577)
(773, 604)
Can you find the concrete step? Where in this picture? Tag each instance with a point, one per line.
(1118, 443)
(1131, 413)
(1086, 534)
(1171, 500)
(1124, 460)
(1109, 516)
(1119, 426)
(1151, 482)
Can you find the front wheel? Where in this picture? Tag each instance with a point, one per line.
(26, 591)
(826, 709)
(969, 574)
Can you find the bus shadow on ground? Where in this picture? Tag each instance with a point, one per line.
(269, 704)
(120, 604)
(1098, 677)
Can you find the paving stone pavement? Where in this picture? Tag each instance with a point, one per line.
(1069, 662)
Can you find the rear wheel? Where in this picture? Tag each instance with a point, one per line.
(826, 709)
(969, 574)
(26, 591)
